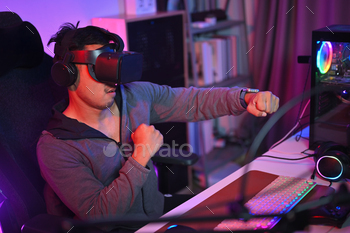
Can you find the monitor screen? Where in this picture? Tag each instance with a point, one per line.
(161, 41)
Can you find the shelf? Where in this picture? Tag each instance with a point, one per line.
(220, 157)
(230, 82)
(218, 26)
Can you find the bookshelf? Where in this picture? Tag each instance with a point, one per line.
(220, 25)
(212, 160)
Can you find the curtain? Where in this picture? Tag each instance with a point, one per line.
(282, 32)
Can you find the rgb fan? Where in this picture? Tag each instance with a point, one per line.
(324, 57)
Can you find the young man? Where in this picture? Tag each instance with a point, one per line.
(84, 182)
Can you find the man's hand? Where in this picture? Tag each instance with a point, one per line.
(147, 142)
(261, 103)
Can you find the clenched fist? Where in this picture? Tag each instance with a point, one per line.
(261, 103)
(147, 142)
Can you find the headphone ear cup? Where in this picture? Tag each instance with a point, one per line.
(326, 146)
(115, 38)
(120, 43)
(63, 74)
(332, 161)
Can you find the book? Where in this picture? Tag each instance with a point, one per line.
(201, 132)
(208, 136)
(204, 63)
(219, 54)
(233, 53)
(230, 53)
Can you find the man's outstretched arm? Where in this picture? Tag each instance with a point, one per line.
(195, 104)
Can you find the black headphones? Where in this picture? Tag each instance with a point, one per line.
(332, 161)
(64, 72)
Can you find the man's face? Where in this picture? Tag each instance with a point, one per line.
(93, 93)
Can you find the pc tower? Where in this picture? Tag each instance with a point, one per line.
(330, 75)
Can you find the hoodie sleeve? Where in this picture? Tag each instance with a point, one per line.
(71, 178)
(192, 104)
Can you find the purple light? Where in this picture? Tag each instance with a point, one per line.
(1, 202)
(2, 198)
(155, 169)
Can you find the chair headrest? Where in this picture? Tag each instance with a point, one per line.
(20, 43)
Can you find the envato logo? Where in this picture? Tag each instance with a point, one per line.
(166, 150)
(110, 150)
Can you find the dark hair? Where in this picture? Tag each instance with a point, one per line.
(83, 36)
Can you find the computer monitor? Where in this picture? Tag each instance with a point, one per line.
(330, 74)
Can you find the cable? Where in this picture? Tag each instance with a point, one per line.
(303, 152)
(292, 153)
(286, 153)
(275, 157)
(297, 137)
(304, 137)
(276, 116)
(296, 125)
(345, 101)
(302, 126)
(3, 196)
(307, 77)
(268, 125)
(300, 130)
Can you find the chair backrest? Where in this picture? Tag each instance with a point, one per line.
(26, 100)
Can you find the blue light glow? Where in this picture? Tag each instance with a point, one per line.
(172, 226)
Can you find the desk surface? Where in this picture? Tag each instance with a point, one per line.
(297, 168)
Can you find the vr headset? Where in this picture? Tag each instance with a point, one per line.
(109, 64)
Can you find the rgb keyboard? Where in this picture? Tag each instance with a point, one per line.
(279, 197)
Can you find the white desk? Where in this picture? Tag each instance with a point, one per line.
(299, 168)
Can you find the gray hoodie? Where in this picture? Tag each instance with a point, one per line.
(85, 183)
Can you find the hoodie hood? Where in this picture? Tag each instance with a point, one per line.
(63, 127)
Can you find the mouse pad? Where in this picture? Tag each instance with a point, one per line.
(217, 204)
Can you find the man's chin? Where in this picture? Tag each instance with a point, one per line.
(109, 104)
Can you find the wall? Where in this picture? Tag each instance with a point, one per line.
(47, 16)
